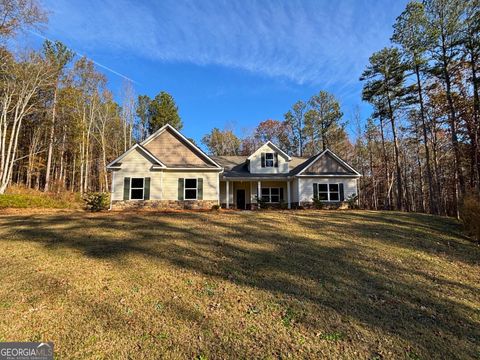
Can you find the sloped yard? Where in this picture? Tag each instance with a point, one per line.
(306, 284)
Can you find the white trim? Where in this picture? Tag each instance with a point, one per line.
(195, 169)
(328, 191)
(275, 148)
(111, 166)
(112, 191)
(185, 188)
(270, 194)
(329, 175)
(289, 205)
(273, 159)
(143, 188)
(168, 126)
(336, 157)
(227, 191)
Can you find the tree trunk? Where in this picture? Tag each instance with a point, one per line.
(459, 185)
(50, 140)
(388, 199)
(397, 161)
(432, 201)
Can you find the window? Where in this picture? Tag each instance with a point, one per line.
(334, 191)
(269, 160)
(323, 192)
(190, 189)
(271, 195)
(328, 192)
(137, 187)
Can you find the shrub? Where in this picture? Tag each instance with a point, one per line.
(317, 203)
(216, 207)
(352, 201)
(262, 204)
(97, 201)
(470, 215)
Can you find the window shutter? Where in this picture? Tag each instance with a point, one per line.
(263, 159)
(342, 196)
(276, 159)
(126, 188)
(181, 186)
(281, 194)
(146, 189)
(315, 190)
(200, 188)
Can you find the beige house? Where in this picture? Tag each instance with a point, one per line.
(167, 171)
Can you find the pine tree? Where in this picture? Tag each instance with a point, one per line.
(384, 78)
(162, 111)
(410, 33)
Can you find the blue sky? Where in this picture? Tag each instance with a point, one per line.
(228, 63)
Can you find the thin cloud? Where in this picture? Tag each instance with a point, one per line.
(307, 42)
(77, 53)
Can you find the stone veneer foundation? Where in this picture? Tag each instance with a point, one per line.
(164, 204)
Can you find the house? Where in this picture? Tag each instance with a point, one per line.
(167, 171)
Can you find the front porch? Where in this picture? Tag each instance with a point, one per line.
(243, 194)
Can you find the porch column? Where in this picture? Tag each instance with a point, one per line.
(288, 195)
(228, 194)
(259, 192)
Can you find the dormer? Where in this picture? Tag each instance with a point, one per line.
(268, 159)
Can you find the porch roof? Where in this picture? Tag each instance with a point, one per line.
(254, 177)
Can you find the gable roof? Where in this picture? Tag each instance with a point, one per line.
(237, 166)
(192, 147)
(301, 169)
(139, 147)
(275, 148)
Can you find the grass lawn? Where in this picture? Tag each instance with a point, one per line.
(305, 284)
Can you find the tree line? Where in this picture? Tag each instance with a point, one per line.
(59, 123)
(420, 148)
(418, 151)
(307, 128)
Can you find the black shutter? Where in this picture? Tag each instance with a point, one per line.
(276, 159)
(281, 194)
(342, 196)
(263, 159)
(146, 189)
(126, 188)
(181, 186)
(200, 189)
(315, 190)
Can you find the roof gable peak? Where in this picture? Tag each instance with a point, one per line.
(274, 148)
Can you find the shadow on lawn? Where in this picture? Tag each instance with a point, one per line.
(340, 274)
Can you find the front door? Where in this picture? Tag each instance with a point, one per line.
(241, 199)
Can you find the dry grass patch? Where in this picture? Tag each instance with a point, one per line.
(306, 284)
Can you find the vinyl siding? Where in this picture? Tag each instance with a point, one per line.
(170, 183)
(256, 162)
(136, 165)
(163, 184)
(306, 186)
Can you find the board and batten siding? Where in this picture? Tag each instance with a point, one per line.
(255, 166)
(163, 184)
(305, 186)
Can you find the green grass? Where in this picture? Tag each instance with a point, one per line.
(304, 284)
